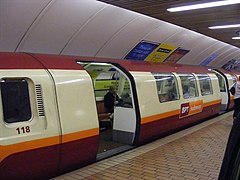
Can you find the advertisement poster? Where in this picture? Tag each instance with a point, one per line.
(142, 50)
(161, 53)
(232, 64)
(176, 56)
(209, 59)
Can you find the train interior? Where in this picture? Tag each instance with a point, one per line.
(117, 128)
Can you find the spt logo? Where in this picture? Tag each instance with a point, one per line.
(191, 108)
(185, 108)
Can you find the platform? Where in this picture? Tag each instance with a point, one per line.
(194, 153)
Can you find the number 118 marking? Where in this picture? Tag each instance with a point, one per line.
(23, 130)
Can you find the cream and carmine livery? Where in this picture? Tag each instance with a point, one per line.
(53, 118)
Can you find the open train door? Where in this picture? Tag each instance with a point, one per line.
(224, 86)
(118, 130)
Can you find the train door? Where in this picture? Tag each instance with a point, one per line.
(223, 85)
(232, 80)
(117, 127)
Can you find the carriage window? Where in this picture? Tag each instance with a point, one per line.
(205, 84)
(15, 100)
(189, 86)
(166, 87)
(125, 93)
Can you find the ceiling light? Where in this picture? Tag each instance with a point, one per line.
(203, 5)
(224, 26)
(235, 37)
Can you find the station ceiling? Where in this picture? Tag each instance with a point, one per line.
(196, 20)
(114, 29)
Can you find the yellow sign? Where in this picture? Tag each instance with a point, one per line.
(101, 85)
(94, 74)
(105, 84)
(161, 53)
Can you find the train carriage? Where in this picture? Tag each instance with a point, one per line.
(52, 114)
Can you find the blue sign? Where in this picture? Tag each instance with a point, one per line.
(208, 60)
(142, 50)
(232, 64)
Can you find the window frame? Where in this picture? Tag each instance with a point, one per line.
(210, 84)
(25, 91)
(221, 81)
(196, 88)
(169, 96)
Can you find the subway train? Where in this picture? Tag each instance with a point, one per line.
(53, 118)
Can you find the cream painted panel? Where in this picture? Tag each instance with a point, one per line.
(128, 37)
(40, 126)
(52, 31)
(163, 32)
(16, 16)
(124, 119)
(76, 100)
(99, 30)
(148, 97)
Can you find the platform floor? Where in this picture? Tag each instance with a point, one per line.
(194, 153)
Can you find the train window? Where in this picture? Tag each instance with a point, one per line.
(15, 100)
(125, 92)
(189, 86)
(166, 86)
(205, 84)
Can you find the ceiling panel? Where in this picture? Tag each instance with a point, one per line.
(99, 31)
(52, 30)
(16, 18)
(201, 47)
(94, 28)
(196, 20)
(128, 37)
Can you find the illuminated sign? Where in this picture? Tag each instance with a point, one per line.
(176, 55)
(142, 50)
(161, 53)
(209, 59)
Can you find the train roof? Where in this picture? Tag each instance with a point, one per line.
(40, 61)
